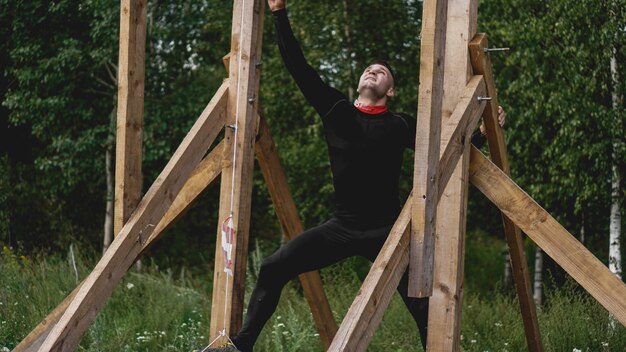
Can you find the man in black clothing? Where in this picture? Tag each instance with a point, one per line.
(365, 144)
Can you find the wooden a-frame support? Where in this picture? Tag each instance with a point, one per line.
(448, 101)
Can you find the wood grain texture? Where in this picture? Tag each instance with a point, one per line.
(367, 310)
(548, 234)
(205, 174)
(444, 317)
(237, 165)
(481, 64)
(425, 181)
(130, 93)
(99, 285)
(290, 222)
(457, 130)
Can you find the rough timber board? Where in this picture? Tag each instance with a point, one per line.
(367, 309)
(445, 302)
(457, 130)
(291, 224)
(481, 64)
(203, 175)
(425, 186)
(548, 234)
(129, 109)
(99, 285)
(202, 178)
(236, 184)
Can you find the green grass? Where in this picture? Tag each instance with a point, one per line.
(163, 311)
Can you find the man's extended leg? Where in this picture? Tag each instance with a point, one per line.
(313, 249)
(418, 307)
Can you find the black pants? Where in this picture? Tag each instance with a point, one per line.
(314, 249)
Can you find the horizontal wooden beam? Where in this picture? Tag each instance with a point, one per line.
(549, 235)
(368, 308)
(290, 221)
(99, 285)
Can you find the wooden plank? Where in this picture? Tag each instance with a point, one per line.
(291, 224)
(201, 179)
(425, 182)
(481, 63)
(445, 303)
(444, 311)
(457, 129)
(236, 184)
(99, 285)
(548, 234)
(367, 310)
(130, 91)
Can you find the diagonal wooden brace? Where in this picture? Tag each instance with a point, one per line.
(367, 309)
(457, 131)
(202, 178)
(99, 285)
(548, 234)
(481, 64)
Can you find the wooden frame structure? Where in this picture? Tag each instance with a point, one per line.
(428, 236)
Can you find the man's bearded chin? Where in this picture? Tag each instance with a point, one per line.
(371, 91)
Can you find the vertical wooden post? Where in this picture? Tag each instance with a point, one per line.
(445, 303)
(130, 101)
(238, 161)
(425, 183)
(481, 63)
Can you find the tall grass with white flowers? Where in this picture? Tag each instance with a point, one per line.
(166, 311)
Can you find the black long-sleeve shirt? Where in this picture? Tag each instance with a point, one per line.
(365, 150)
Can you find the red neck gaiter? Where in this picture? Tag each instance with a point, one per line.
(372, 110)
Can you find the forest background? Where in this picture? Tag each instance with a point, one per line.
(562, 85)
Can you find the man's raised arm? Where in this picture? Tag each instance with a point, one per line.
(320, 95)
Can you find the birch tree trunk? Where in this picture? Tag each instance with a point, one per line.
(615, 227)
(581, 237)
(110, 169)
(507, 267)
(108, 217)
(538, 287)
(348, 50)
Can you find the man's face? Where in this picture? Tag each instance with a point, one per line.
(377, 80)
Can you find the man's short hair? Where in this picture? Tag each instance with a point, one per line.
(386, 64)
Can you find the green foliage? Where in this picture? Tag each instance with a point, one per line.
(556, 86)
(163, 311)
(58, 96)
(484, 258)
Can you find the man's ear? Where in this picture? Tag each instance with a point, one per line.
(391, 92)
